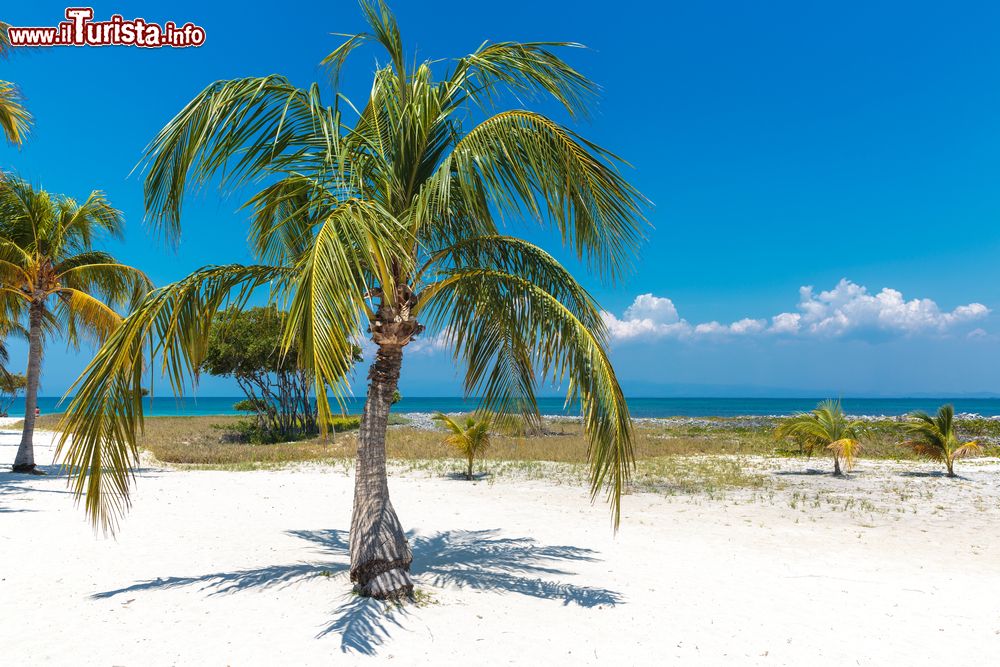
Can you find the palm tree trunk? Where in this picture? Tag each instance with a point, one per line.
(468, 475)
(25, 459)
(380, 554)
(951, 466)
(836, 467)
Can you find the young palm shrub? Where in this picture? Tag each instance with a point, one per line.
(377, 228)
(471, 440)
(935, 438)
(14, 118)
(51, 276)
(826, 427)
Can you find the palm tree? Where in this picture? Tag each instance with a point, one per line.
(471, 440)
(935, 438)
(14, 118)
(828, 427)
(50, 274)
(379, 228)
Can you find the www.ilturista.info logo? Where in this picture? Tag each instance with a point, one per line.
(79, 29)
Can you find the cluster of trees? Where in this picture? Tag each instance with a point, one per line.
(828, 428)
(246, 345)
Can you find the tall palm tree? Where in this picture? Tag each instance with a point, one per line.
(379, 228)
(471, 440)
(829, 428)
(14, 118)
(935, 438)
(51, 275)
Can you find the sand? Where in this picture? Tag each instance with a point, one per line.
(248, 568)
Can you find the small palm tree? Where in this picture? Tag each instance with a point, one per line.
(828, 427)
(14, 118)
(935, 438)
(471, 440)
(50, 275)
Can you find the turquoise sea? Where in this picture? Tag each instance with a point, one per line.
(640, 407)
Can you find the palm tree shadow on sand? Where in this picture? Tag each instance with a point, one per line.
(481, 560)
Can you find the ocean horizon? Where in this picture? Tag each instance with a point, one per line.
(554, 406)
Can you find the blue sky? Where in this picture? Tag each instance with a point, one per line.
(851, 147)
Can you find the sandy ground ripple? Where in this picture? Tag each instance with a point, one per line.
(896, 565)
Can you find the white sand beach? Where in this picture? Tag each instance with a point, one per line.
(249, 568)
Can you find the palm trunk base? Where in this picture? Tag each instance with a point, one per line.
(27, 468)
(380, 554)
(394, 585)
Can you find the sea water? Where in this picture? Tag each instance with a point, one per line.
(639, 407)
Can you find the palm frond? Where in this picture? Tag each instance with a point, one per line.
(355, 242)
(14, 117)
(85, 317)
(521, 68)
(846, 449)
(967, 449)
(511, 333)
(925, 449)
(525, 164)
(241, 129)
(103, 420)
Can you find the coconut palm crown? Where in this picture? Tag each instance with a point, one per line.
(935, 438)
(378, 221)
(52, 278)
(828, 427)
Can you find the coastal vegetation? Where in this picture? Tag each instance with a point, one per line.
(936, 438)
(826, 428)
(53, 281)
(12, 385)
(380, 225)
(470, 439)
(245, 345)
(199, 441)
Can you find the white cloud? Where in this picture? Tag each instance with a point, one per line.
(429, 344)
(847, 309)
(653, 308)
(648, 317)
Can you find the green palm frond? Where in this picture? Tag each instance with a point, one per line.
(14, 117)
(102, 423)
(472, 437)
(85, 317)
(240, 129)
(528, 165)
(523, 68)
(354, 244)
(509, 332)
